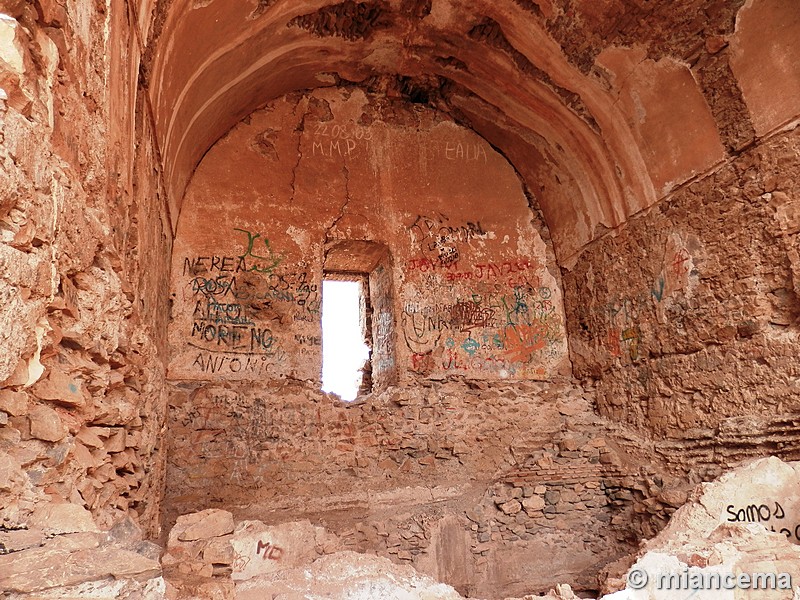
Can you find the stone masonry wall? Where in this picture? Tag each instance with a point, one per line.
(479, 457)
(687, 317)
(82, 265)
(471, 484)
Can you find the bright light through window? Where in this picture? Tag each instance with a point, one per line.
(343, 349)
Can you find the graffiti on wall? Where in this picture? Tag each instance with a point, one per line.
(267, 550)
(623, 333)
(241, 306)
(440, 240)
(494, 316)
(223, 425)
(669, 297)
(770, 514)
(339, 140)
(252, 555)
(493, 332)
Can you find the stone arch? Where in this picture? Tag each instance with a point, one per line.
(579, 133)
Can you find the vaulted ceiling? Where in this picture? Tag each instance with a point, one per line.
(603, 106)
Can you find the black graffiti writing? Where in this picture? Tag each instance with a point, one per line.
(241, 338)
(251, 365)
(466, 316)
(293, 288)
(438, 229)
(754, 513)
(211, 263)
(773, 516)
(218, 286)
(211, 311)
(308, 340)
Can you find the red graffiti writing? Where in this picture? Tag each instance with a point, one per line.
(422, 363)
(270, 551)
(424, 265)
(679, 266)
(484, 271)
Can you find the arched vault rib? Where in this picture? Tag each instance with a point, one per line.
(213, 65)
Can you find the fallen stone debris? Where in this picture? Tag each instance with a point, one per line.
(736, 535)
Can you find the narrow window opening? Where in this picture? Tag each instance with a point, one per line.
(368, 344)
(346, 369)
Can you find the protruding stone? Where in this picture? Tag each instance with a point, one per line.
(512, 507)
(90, 437)
(14, 403)
(20, 539)
(267, 549)
(674, 498)
(46, 424)
(552, 497)
(12, 477)
(58, 386)
(116, 442)
(57, 565)
(219, 551)
(570, 408)
(534, 503)
(57, 519)
(206, 524)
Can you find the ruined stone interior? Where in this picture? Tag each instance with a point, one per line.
(574, 223)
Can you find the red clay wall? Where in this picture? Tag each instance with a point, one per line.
(476, 288)
(687, 318)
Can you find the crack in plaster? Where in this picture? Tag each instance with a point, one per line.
(343, 209)
(626, 78)
(299, 131)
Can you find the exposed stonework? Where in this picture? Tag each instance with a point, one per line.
(517, 73)
(719, 535)
(403, 464)
(350, 20)
(739, 530)
(59, 553)
(491, 33)
(686, 319)
(574, 225)
(293, 559)
(83, 392)
(677, 30)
